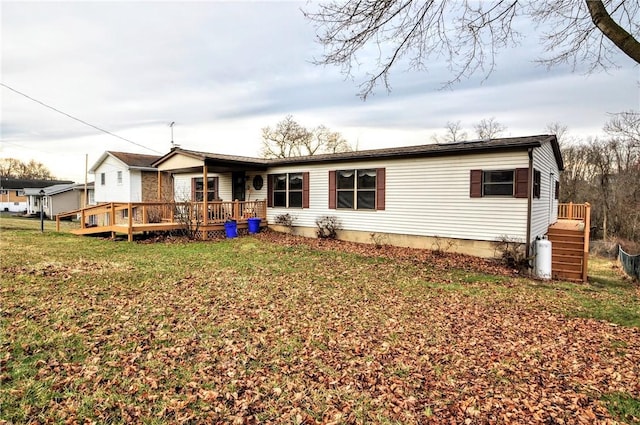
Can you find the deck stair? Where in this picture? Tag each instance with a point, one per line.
(567, 253)
(569, 238)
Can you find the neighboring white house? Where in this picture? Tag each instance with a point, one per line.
(125, 177)
(55, 199)
(12, 196)
(465, 195)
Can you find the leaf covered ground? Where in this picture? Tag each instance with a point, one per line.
(278, 329)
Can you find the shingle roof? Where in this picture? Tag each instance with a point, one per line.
(135, 159)
(436, 149)
(10, 183)
(49, 190)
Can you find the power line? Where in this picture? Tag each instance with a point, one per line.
(78, 119)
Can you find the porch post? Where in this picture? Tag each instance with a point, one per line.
(205, 194)
(159, 185)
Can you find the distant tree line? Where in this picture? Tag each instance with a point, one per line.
(17, 169)
(606, 173)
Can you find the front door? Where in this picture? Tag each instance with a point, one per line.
(238, 188)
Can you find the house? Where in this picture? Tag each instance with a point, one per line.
(55, 199)
(12, 196)
(125, 177)
(462, 197)
(466, 195)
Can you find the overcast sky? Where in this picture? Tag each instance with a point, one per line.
(223, 70)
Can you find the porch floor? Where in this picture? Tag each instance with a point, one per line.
(577, 225)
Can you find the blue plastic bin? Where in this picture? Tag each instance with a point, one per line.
(254, 225)
(231, 229)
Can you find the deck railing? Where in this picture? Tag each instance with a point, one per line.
(130, 213)
(572, 211)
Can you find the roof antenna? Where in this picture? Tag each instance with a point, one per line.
(173, 144)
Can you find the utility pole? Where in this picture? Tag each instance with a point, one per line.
(173, 145)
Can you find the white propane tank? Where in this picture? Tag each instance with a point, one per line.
(542, 267)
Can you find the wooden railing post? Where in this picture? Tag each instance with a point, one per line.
(57, 223)
(587, 230)
(82, 219)
(130, 223)
(570, 212)
(236, 210)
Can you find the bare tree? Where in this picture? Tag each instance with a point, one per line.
(453, 133)
(284, 140)
(470, 34)
(561, 131)
(489, 128)
(289, 139)
(625, 125)
(331, 141)
(17, 169)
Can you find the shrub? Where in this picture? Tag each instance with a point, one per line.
(442, 245)
(328, 227)
(285, 220)
(379, 239)
(512, 253)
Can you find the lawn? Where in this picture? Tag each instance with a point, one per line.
(278, 329)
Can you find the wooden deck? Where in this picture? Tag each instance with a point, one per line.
(141, 217)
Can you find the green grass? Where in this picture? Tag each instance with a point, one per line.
(624, 407)
(118, 332)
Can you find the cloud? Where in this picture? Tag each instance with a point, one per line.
(224, 70)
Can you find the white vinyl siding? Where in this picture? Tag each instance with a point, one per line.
(111, 191)
(544, 210)
(424, 196)
(182, 186)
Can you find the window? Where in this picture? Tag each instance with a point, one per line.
(513, 183)
(357, 189)
(289, 190)
(497, 183)
(102, 179)
(557, 193)
(197, 187)
(537, 183)
(119, 177)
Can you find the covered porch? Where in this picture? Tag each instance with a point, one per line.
(201, 220)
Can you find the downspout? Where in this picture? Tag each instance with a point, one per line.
(529, 201)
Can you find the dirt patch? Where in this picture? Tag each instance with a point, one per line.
(436, 259)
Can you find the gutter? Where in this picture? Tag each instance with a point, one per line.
(529, 202)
